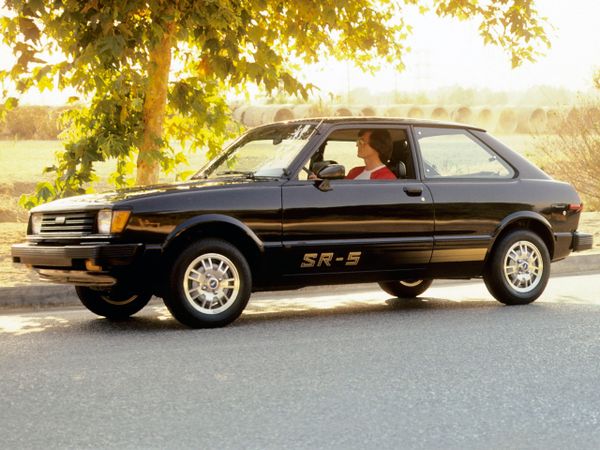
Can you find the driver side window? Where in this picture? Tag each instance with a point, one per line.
(341, 148)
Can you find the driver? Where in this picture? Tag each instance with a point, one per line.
(374, 146)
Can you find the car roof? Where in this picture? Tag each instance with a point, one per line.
(374, 120)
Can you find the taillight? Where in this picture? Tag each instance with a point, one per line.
(575, 207)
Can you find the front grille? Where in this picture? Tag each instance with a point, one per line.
(69, 223)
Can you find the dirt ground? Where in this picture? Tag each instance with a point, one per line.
(15, 275)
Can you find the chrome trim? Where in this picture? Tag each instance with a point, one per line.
(411, 283)
(76, 277)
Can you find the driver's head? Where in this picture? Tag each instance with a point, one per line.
(379, 140)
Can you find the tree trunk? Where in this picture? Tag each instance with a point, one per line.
(155, 103)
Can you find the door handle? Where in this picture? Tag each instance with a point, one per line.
(413, 191)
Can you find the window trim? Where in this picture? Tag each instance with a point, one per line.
(324, 134)
(478, 141)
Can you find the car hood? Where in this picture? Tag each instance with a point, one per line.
(107, 199)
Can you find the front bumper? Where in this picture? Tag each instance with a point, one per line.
(76, 277)
(68, 264)
(75, 256)
(582, 241)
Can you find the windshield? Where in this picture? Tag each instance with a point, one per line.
(265, 152)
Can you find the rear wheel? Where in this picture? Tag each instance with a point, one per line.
(405, 288)
(210, 284)
(114, 303)
(519, 268)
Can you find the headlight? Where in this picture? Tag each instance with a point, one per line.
(112, 222)
(36, 223)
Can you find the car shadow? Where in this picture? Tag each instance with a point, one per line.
(156, 318)
(290, 309)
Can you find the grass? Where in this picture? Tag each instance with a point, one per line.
(24, 162)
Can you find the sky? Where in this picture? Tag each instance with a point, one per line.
(446, 52)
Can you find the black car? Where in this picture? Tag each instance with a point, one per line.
(275, 211)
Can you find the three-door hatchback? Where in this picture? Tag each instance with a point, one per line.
(277, 210)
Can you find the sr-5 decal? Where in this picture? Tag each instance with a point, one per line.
(329, 258)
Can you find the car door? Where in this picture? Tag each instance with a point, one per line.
(354, 227)
(473, 189)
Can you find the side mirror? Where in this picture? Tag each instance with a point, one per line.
(332, 172)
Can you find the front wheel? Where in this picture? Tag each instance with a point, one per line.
(405, 288)
(114, 303)
(519, 268)
(209, 285)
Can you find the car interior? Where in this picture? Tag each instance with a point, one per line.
(340, 148)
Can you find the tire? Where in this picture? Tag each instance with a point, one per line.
(114, 303)
(209, 285)
(518, 269)
(405, 288)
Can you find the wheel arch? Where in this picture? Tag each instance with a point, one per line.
(524, 220)
(217, 226)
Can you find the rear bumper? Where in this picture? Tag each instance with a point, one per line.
(582, 241)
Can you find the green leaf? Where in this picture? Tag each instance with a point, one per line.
(156, 76)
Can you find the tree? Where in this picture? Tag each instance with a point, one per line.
(571, 151)
(155, 72)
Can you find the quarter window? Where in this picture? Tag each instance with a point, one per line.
(450, 153)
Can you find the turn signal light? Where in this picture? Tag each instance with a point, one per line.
(91, 267)
(112, 222)
(119, 220)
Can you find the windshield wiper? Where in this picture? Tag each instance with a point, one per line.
(247, 174)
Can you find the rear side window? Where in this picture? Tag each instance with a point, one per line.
(451, 153)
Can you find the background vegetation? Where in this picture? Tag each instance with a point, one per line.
(150, 74)
(572, 151)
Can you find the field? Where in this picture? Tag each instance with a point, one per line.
(21, 168)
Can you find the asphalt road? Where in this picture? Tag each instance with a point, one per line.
(356, 370)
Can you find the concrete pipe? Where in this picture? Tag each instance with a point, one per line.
(380, 111)
(532, 120)
(554, 118)
(368, 111)
(415, 112)
(341, 111)
(252, 117)
(362, 111)
(507, 121)
(437, 113)
(238, 113)
(462, 114)
(396, 111)
(483, 117)
(304, 111)
(277, 113)
(584, 115)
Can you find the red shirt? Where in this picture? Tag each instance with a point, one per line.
(382, 174)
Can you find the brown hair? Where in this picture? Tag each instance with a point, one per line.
(381, 141)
